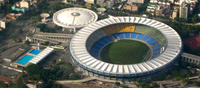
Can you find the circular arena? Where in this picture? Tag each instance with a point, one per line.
(74, 17)
(125, 47)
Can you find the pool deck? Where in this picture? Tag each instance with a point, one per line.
(27, 53)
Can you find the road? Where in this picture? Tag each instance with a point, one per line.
(10, 68)
(63, 82)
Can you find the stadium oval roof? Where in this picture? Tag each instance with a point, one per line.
(74, 17)
(82, 57)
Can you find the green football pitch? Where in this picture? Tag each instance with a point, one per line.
(124, 52)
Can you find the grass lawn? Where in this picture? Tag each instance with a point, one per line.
(124, 52)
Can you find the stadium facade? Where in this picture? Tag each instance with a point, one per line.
(86, 45)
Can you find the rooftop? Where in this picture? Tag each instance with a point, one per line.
(5, 79)
(74, 17)
(194, 57)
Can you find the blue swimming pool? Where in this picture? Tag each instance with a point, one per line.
(24, 60)
(35, 51)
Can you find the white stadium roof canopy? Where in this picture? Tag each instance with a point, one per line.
(41, 55)
(80, 54)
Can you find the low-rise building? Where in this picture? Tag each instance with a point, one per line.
(151, 8)
(2, 2)
(153, 1)
(90, 1)
(135, 1)
(159, 12)
(100, 2)
(23, 4)
(53, 38)
(174, 14)
(184, 10)
(130, 7)
(175, 11)
(2, 25)
(190, 58)
(109, 3)
(160, 2)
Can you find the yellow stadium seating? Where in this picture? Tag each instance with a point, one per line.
(117, 28)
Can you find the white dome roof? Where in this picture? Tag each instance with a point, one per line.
(74, 17)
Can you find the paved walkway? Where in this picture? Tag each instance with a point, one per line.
(65, 82)
(11, 45)
(84, 80)
(194, 77)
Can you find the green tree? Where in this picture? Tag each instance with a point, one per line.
(41, 26)
(117, 83)
(2, 85)
(185, 80)
(57, 86)
(20, 83)
(8, 8)
(27, 42)
(155, 85)
(48, 84)
(34, 72)
(144, 85)
(43, 6)
(58, 5)
(195, 19)
(74, 76)
(125, 86)
(142, 8)
(197, 84)
(51, 84)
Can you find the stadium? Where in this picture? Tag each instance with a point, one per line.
(125, 47)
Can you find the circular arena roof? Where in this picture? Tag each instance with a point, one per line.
(82, 57)
(74, 17)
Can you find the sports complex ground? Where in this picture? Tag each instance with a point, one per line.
(125, 52)
(125, 62)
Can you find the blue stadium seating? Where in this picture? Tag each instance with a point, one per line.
(150, 41)
(139, 36)
(95, 49)
(133, 35)
(109, 39)
(121, 35)
(145, 37)
(127, 35)
(115, 36)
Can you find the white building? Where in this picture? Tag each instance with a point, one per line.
(190, 58)
(90, 1)
(2, 25)
(74, 18)
(174, 14)
(135, 1)
(109, 4)
(184, 9)
(23, 4)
